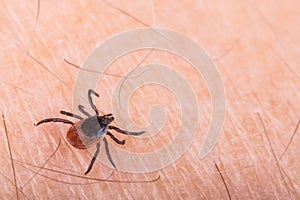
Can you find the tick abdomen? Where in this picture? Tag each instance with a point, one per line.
(86, 133)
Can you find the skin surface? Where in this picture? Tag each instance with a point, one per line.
(254, 46)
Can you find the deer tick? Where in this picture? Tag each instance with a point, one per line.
(89, 131)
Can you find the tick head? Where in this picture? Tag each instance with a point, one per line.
(105, 119)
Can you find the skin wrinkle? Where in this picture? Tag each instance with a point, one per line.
(247, 66)
(14, 185)
(11, 156)
(278, 39)
(230, 48)
(290, 141)
(30, 42)
(37, 172)
(277, 163)
(85, 177)
(284, 62)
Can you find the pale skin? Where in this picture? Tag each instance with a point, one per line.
(254, 47)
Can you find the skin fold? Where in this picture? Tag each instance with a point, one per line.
(255, 48)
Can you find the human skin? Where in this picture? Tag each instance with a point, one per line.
(254, 46)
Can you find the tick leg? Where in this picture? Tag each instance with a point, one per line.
(93, 160)
(81, 109)
(107, 115)
(108, 154)
(54, 120)
(90, 92)
(70, 114)
(122, 142)
(126, 132)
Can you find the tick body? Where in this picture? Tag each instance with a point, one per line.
(89, 131)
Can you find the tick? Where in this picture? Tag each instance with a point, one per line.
(91, 130)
